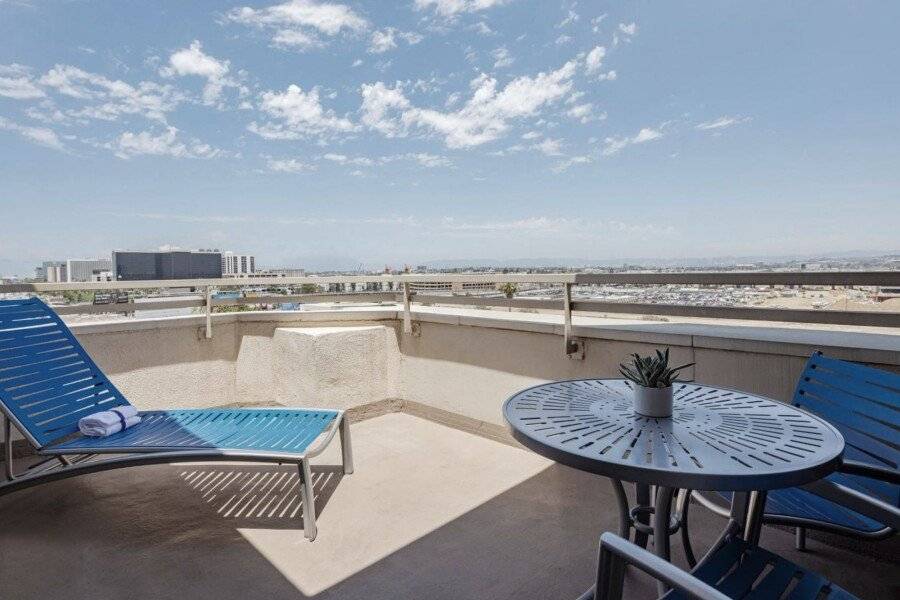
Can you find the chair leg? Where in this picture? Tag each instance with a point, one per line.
(8, 448)
(309, 500)
(346, 449)
(800, 538)
(685, 500)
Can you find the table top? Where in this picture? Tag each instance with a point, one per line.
(716, 439)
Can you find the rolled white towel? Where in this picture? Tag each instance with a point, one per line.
(108, 422)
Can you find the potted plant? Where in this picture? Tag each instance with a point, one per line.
(652, 378)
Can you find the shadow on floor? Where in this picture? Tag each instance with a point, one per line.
(259, 496)
(99, 537)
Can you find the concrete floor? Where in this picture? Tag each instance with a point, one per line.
(430, 512)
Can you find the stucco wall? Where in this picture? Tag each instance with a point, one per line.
(168, 366)
(466, 365)
(472, 370)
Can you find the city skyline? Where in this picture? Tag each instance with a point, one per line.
(433, 130)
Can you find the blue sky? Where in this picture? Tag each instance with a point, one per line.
(331, 134)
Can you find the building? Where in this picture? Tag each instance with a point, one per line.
(56, 272)
(238, 265)
(41, 273)
(137, 266)
(282, 273)
(83, 269)
(102, 276)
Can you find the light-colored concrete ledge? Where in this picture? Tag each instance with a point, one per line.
(872, 345)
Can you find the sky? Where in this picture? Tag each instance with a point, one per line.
(336, 134)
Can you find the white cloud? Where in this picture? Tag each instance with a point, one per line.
(549, 147)
(721, 123)
(383, 40)
(108, 99)
(428, 160)
(564, 165)
(484, 117)
(595, 23)
(411, 37)
(594, 59)
(422, 158)
(575, 97)
(295, 39)
(482, 28)
(452, 8)
(47, 112)
(386, 39)
(531, 135)
(289, 165)
(378, 101)
(165, 144)
(502, 58)
(581, 112)
(563, 39)
(38, 135)
(628, 29)
(646, 135)
(298, 23)
(192, 61)
(298, 114)
(16, 83)
(614, 145)
(357, 62)
(608, 76)
(341, 159)
(571, 17)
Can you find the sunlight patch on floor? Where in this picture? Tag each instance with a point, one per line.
(412, 477)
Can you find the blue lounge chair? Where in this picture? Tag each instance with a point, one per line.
(48, 382)
(864, 405)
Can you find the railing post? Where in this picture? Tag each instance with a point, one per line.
(573, 348)
(209, 293)
(407, 316)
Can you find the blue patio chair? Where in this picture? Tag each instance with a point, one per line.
(864, 405)
(48, 382)
(732, 570)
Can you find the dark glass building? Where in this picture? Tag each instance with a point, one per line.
(135, 266)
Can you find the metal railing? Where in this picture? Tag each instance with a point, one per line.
(402, 292)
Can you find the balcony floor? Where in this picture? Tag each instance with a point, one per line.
(430, 512)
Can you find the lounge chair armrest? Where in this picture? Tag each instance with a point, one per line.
(616, 552)
(852, 467)
(869, 506)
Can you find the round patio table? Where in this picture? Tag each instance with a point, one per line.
(717, 439)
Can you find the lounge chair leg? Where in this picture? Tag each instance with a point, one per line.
(346, 449)
(800, 538)
(309, 500)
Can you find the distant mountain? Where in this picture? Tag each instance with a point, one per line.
(582, 263)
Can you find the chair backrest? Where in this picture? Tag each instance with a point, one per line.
(47, 380)
(863, 403)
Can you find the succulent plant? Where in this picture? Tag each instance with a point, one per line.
(651, 371)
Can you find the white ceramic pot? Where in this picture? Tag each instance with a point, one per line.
(653, 402)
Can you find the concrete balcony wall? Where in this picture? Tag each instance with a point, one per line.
(165, 362)
(472, 370)
(461, 362)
